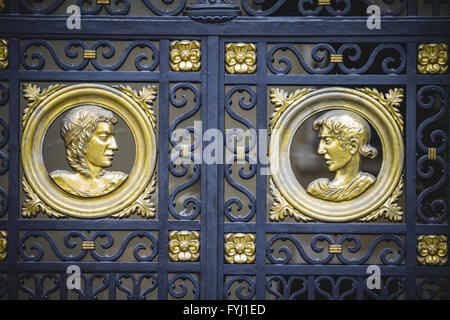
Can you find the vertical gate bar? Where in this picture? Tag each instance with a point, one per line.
(411, 172)
(412, 8)
(436, 8)
(261, 180)
(14, 7)
(203, 181)
(163, 169)
(13, 178)
(212, 173)
(112, 286)
(221, 170)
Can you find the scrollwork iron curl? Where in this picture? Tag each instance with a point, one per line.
(394, 12)
(287, 287)
(319, 8)
(288, 253)
(39, 293)
(240, 288)
(439, 138)
(233, 147)
(96, 10)
(160, 12)
(183, 288)
(136, 293)
(383, 256)
(191, 202)
(4, 98)
(69, 243)
(71, 44)
(336, 293)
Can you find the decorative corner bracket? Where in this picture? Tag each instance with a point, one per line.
(212, 11)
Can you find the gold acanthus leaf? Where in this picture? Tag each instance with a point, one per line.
(145, 98)
(143, 205)
(34, 205)
(390, 209)
(35, 95)
(281, 208)
(282, 100)
(391, 101)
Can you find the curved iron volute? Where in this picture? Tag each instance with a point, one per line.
(213, 11)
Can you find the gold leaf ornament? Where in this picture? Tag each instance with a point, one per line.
(3, 245)
(282, 100)
(240, 57)
(184, 246)
(281, 208)
(185, 55)
(145, 98)
(432, 58)
(240, 248)
(432, 249)
(3, 53)
(391, 101)
(143, 206)
(36, 95)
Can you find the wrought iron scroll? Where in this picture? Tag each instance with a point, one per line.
(432, 289)
(178, 289)
(393, 63)
(236, 135)
(159, 12)
(245, 283)
(98, 45)
(316, 7)
(68, 240)
(37, 291)
(136, 292)
(318, 248)
(3, 286)
(114, 7)
(4, 133)
(332, 288)
(427, 166)
(191, 204)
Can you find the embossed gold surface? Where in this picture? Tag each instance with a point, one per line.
(379, 197)
(432, 249)
(133, 195)
(432, 58)
(2, 5)
(3, 245)
(88, 134)
(184, 246)
(240, 57)
(344, 140)
(185, 55)
(3, 54)
(240, 248)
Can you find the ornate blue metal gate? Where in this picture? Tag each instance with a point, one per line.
(213, 230)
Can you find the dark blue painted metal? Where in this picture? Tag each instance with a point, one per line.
(211, 278)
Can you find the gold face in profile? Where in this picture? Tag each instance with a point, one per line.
(88, 134)
(344, 139)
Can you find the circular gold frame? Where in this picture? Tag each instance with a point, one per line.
(103, 96)
(323, 100)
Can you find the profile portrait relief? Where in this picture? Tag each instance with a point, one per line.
(344, 141)
(88, 134)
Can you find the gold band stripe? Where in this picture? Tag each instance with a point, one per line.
(88, 245)
(240, 153)
(335, 248)
(89, 54)
(431, 153)
(185, 148)
(324, 2)
(336, 58)
(102, 1)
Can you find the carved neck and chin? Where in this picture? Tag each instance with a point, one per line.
(347, 173)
